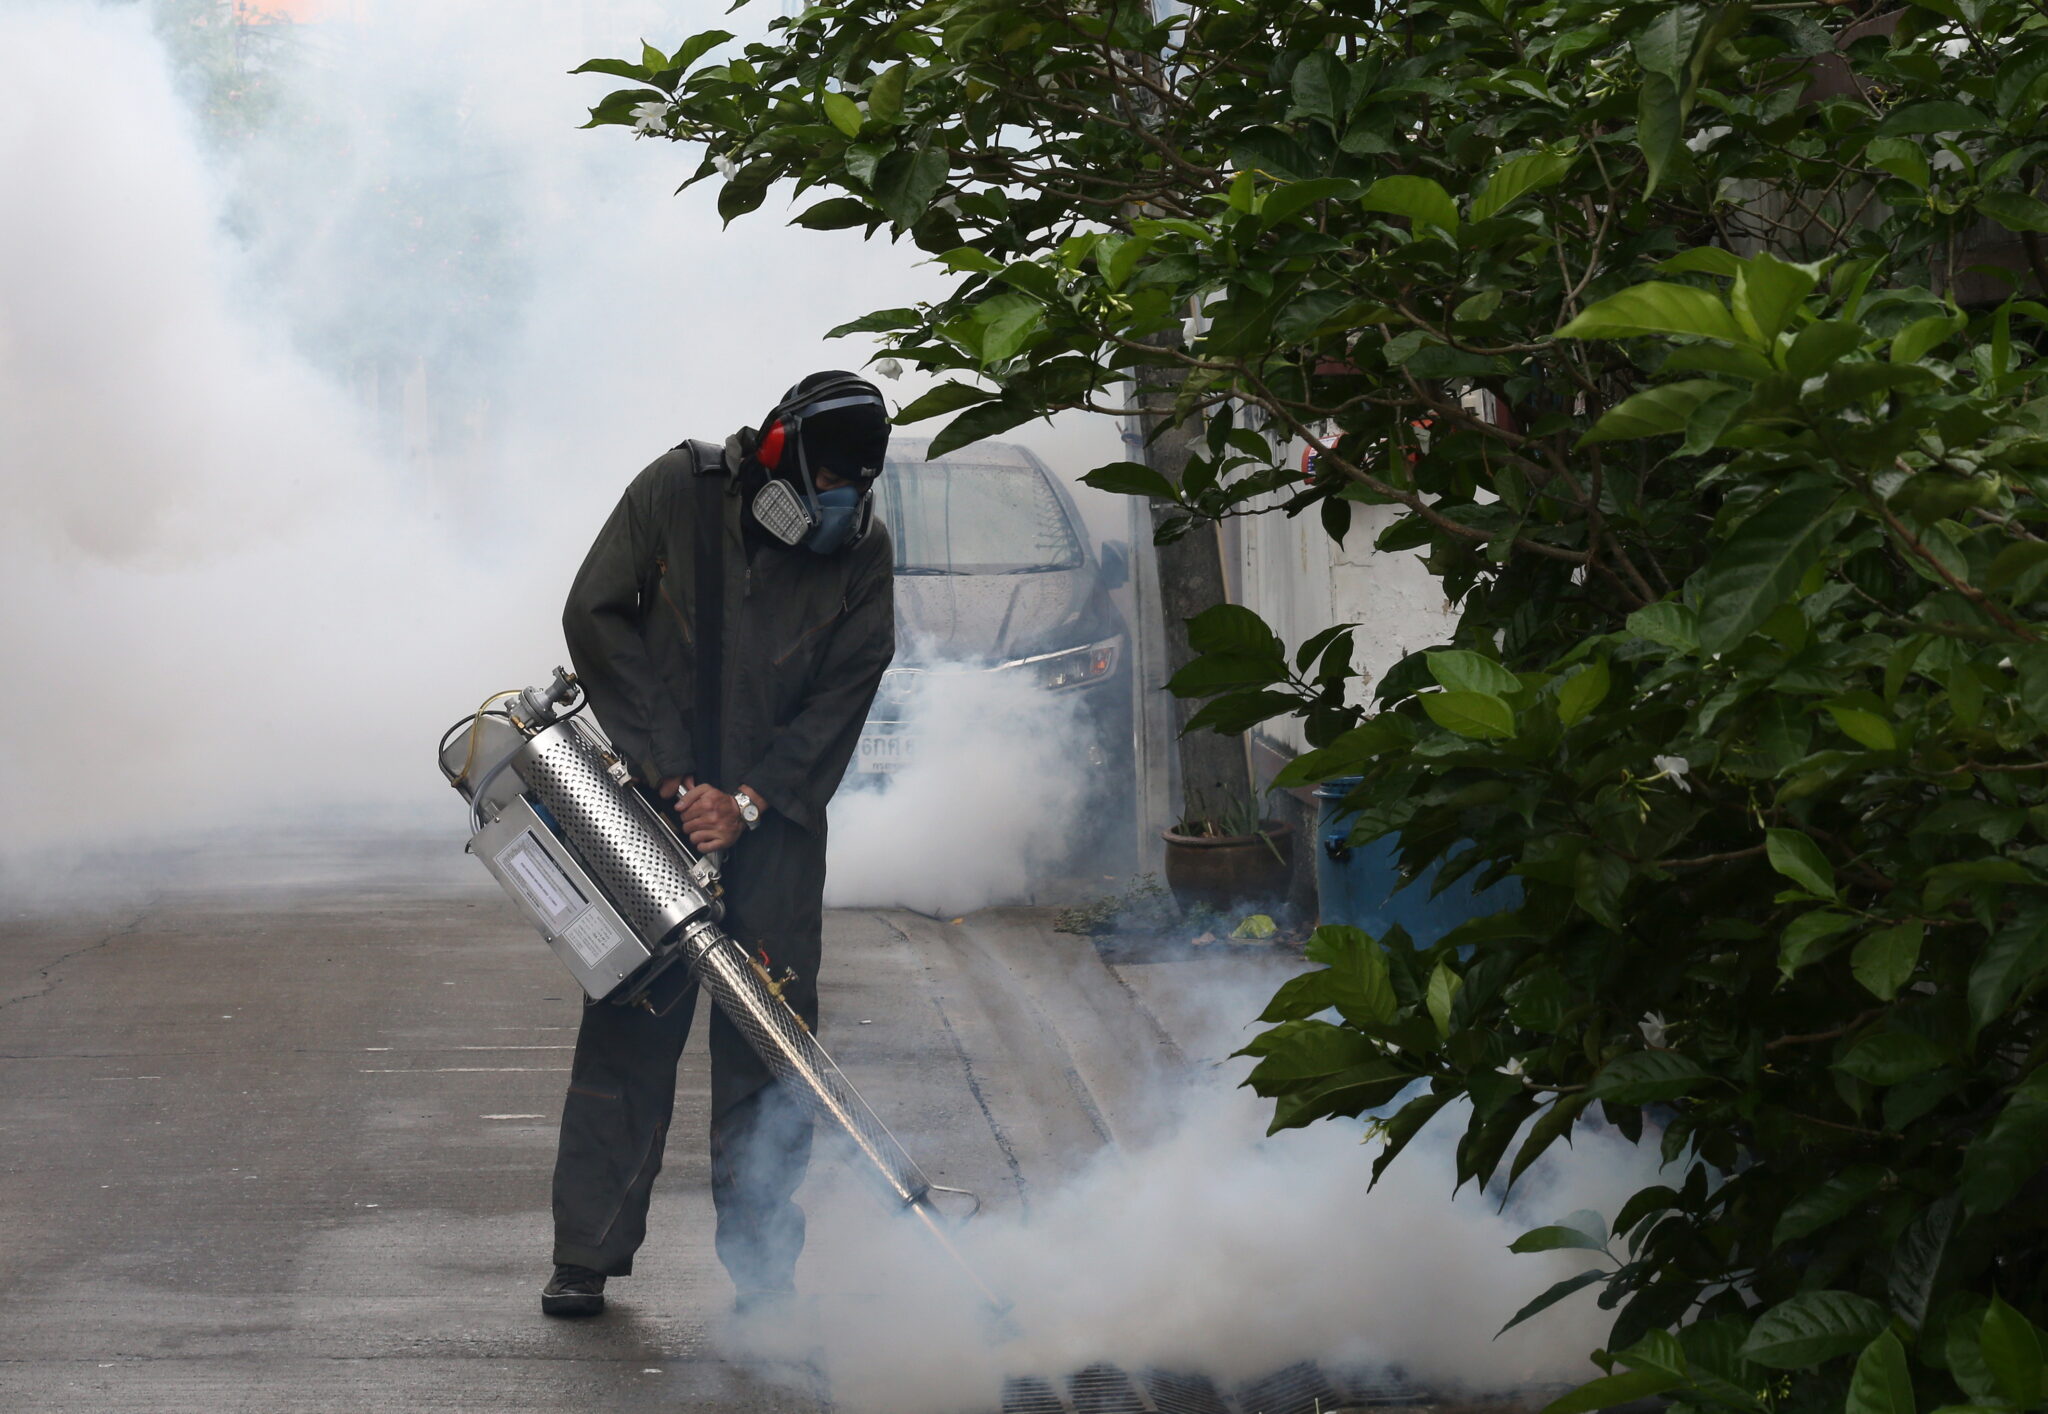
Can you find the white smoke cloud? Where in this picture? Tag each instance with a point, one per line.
(990, 805)
(303, 431)
(1211, 1249)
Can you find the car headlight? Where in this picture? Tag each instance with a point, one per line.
(1071, 667)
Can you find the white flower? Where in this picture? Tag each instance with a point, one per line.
(1190, 329)
(1672, 768)
(888, 368)
(1513, 1067)
(725, 165)
(650, 119)
(949, 204)
(1652, 1026)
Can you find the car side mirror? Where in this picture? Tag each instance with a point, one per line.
(1115, 559)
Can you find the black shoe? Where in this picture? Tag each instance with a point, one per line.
(573, 1291)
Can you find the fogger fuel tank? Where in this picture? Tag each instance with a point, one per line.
(620, 898)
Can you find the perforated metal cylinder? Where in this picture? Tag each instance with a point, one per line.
(645, 870)
(612, 829)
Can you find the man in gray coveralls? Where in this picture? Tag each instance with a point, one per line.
(731, 625)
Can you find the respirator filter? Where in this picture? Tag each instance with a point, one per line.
(781, 512)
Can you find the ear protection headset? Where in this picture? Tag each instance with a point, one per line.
(787, 507)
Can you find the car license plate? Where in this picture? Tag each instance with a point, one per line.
(884, 751)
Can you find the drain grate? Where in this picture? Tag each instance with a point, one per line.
(1103, 1389)
(1027, 1394)
(1378, 1384)
(1304, 1388)
(1298, 1389)
(1184, 1394)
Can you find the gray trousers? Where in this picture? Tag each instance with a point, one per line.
(615, 1124)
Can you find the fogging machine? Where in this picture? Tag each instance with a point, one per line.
(600, 869)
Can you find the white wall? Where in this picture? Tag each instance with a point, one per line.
(1290, 572)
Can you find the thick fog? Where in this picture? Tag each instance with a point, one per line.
(316, 380)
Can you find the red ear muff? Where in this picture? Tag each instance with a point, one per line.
(769, 453)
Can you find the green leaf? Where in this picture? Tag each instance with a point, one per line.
(1799, 859)
(1584, 690)
(1232, 628)
(843, 113)
(1703, 260)
(885, 94)
(2016, 211)
(1550, 1126)
(1599, 880)
(1642, 1077)
(1864, 727)
(1667, 622)
(1421, 200)
(616, 68)
(1882, 1382)
(1813, 1327)
(2013, 562)
(1917, 1260)
(1653, 412)
(987, 420)
(1939, 115)
(1517, 177)
(882, 321)
(1660, 126)
(1360, 987)
(1911, 343)
(1811, 937)
(1885, 1058)
(2014, 957)
(1306, 1050)
(1829, 1202)
(1884, 961)
(1820, 346)
(1760, 565)
(1130, 479)
(1299, 996)
(835, 214)
(1550, 1239)
(2012, 1348)
(1479, 715)
(1766, 293)
(1610, 1390)
(1901, 157)
(2003, 1159)
(948, 397)
(1441, 995)
(1551, 1297)
(1293, 197)
(1656, 308)
(1463, 671)
(1217, 672)
(908, 180)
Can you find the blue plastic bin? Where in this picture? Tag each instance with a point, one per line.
(1357, 886)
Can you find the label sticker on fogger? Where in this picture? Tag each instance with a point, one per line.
(591, 936)
(540, 880)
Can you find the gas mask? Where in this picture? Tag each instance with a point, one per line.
(789, 505)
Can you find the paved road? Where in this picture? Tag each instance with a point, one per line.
(280, 1140)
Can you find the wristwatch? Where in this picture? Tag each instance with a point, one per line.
(749, 812)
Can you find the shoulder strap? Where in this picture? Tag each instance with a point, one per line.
(706, 731)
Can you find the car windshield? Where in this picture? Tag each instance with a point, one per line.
(960, 517)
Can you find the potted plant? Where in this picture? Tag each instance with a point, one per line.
(1223, 858)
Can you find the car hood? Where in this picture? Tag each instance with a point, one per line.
(980, 618)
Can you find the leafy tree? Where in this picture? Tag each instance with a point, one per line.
(1693, 343)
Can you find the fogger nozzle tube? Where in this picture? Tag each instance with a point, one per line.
(576, 794)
